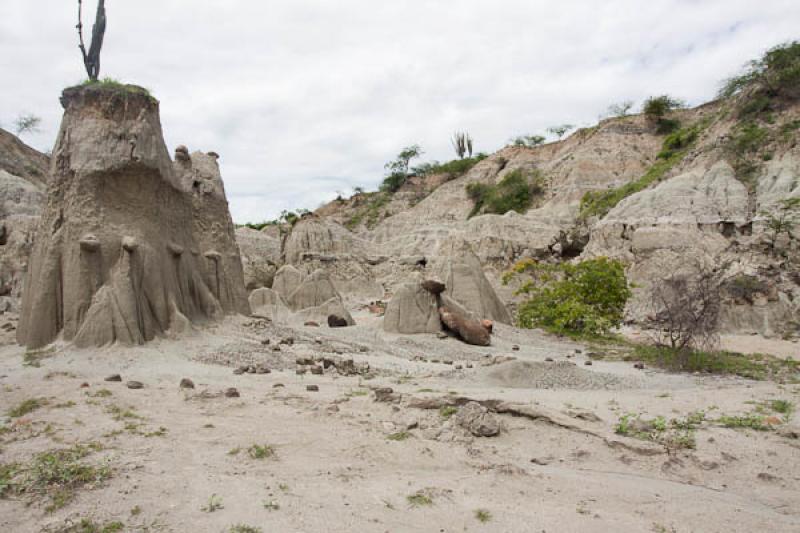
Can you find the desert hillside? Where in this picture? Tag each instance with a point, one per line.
(599, 333)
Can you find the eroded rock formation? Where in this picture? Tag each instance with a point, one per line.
(124, 251)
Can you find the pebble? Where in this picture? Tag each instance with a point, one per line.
(312, 388)
(114, 377)
(232, 393)
(278, 386)
(266, 342)
(639, 366)
(515, 348)
(187, 383)
(317, 370)
(311, 324)
(549, 359)
(135, 385)
(84, 385)
(587, 363)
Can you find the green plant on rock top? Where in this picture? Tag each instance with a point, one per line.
(582, 299)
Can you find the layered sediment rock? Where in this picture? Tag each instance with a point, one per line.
(123, 251)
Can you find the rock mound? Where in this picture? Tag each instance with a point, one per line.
(412, 309)
(268, 303)
(117, 256)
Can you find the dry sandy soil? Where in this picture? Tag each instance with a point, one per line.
(344, 461)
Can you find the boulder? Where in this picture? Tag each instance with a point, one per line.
(412, 309)
(260, 255)
(320, 314)
(461, 322)
(268, 303)
(466, 283)
(477, 419)
(287, 280)
(128, 247)
(336, 321)
(315, 290)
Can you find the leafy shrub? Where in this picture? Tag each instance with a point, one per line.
(398, 169)
(453, 169)
(777, 73)
(515, 192)
(528, 141)
(678, 140)
(657, 107)
(587, 298)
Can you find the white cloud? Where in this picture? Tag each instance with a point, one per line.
(306, 97)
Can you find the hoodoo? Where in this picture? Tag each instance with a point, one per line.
(118, 254)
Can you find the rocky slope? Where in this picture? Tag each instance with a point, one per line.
(705, 205)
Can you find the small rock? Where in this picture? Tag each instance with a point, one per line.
(187, 383)
(447, 362)
(578, 350)
(515, 348)
(433, 286)
(251, 369)
(549, 359)
(442, 335)
(289, 341)
(84, 385)
(387, 395)
(335, 321)
(363, 349)
(459, 367)
(135, 385)
(114, 377)
(276, 348)
(261, 369)
(312, 388)
(278, 386)
(232, 392)
(304, 360)
(469, 365)
(332, 408)
(311, 324)
(477, 419)
(639, 366)
(266, 342)
(587, 363)
(301, 370)
(238, 371)
(317, 370)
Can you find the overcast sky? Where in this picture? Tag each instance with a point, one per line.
(304, 98)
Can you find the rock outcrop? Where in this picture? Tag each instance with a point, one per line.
(117, 257)
(287, 280)
(466, 283)
(260, 253)
(313, 291)
(412, 309)
(269, 304)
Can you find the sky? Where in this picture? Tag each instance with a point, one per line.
(305, 99)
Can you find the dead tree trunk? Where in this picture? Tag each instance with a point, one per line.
(91, 59)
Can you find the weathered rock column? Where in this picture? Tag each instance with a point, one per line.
(116, 256)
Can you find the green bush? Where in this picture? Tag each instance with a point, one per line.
(393, 182)
(583, 299)
(777, 73)
(515, 192)
(678, 140)
(454, 168)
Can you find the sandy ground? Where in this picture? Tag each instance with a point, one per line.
(335, 467)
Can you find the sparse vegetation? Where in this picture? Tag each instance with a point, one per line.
(87, 525)
(657, 109)
(528, 141)
(782, 219)
(515, 192)
(55, 474)
(27, 407)
(214, 504)
(758, 367)
(244, 528)
(421, 498)
(399, 436)
(583, 299)
(446, 411)
(749, 421)
(257, 451)
(453, 169)
(560, 130)
(675, 434)
(621, 109)
(398, 169)
(27, 123)
(483, 516)
(776, 74)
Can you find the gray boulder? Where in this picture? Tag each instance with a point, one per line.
(411, 310)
